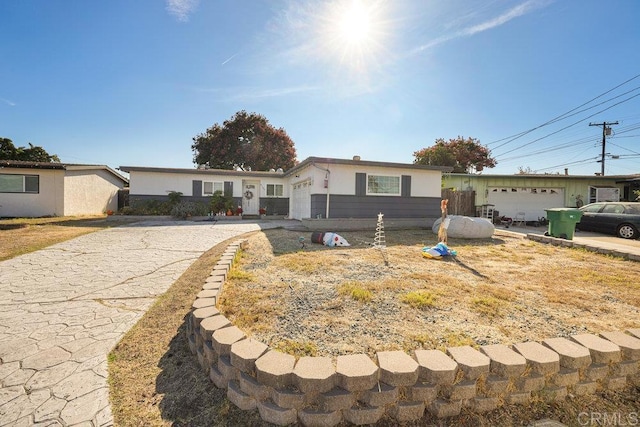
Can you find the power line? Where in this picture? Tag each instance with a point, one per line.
(570, 144)
(624, 148)
(566, 115)
(577, 162)
(571, 125)
(555, 119)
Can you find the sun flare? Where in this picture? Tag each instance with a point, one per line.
(354, 32)
(355, 23)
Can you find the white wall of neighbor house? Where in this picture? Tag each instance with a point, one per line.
(342, 178)
(162, 183)
(48, 201)
(90, 192)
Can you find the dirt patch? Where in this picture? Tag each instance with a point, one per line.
(331, 301)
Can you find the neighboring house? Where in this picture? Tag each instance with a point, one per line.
(532, 194)
(315, 188)
(37, 189)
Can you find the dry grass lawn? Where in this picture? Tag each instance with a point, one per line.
(156, 381)
(332, 301)
(23, 235)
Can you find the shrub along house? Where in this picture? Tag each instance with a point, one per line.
(37, 189)
(315, 188)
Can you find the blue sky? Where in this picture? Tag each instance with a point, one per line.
(124, 82)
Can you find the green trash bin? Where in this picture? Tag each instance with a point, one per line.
(562, 222)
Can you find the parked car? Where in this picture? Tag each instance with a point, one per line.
(619, 218)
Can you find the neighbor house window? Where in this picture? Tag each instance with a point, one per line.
(382, 184)
(19, 183)
(274, 190)
(209, 188)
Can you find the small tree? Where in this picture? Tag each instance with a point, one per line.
(33, 153)
(246, 141)
(461, 154)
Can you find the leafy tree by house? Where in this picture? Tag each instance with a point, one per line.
(246, 141)
(463, 155)
(34, 153)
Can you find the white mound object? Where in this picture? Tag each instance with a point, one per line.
(464, 227)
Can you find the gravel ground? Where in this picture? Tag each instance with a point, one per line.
(500, 290)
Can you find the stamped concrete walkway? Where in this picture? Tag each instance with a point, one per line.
(63, 308)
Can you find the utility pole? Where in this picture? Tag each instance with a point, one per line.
(605, 128)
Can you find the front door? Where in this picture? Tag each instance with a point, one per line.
(250, 197)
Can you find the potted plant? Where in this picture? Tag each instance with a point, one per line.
(221, 204)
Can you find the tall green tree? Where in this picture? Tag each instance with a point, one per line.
(33, 153)
(245, 141)
(463, 155)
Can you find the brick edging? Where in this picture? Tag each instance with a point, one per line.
(358, 390)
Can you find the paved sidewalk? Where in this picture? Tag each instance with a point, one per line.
(63, 308)
(598, 241)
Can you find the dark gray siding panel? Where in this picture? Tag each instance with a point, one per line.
(361, 184)
(196, 188)
(278, 206)
(141, 198)
(342, 206)
(406, 185)
(228, 188)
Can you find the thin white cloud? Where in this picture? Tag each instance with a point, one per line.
(250, 94)
(9, 103)
(515, 12)
(181, 9)
(229, 58)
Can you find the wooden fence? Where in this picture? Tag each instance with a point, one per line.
(460, 202)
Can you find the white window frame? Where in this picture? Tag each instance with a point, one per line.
(23, 184)
(275, 190)
(374, 193)
(215, 186)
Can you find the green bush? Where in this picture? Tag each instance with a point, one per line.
(147, 207)
(187, 209)
(174, 197)
(220, 203)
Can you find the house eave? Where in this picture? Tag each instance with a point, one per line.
(204, 172)
(18, 164)
(365, 163)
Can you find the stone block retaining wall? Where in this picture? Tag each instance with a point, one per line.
(322, 391)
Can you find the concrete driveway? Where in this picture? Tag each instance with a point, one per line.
(63, 308)
(599, 240)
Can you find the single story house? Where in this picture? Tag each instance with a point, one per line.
(37, 189)
(510, 195)
(315, 188)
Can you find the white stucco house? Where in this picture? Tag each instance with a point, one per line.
(315, 188)
(35, 189)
